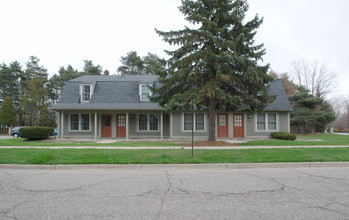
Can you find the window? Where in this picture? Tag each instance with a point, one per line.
(199, 121)
(261, 122)
(266, 122)
(144, 92)
(148, 122)
(74, 122)
(121, 120)
(188, 121)
(154, 122)
(85, 122)
(272, 121)
(85, 93)
(143, 122)
(222, 120)
(80, 122)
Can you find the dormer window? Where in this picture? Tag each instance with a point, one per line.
(86, 92)
(144, 92)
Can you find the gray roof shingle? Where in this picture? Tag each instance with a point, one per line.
(122, 92)
(281, 102)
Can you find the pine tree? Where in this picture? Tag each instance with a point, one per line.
(132, 64)
(34, 100)
(310, 113)
(7, 113)
(216, 63)
(91, 69)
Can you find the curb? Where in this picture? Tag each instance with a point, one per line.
(174, 147)
(177, 166)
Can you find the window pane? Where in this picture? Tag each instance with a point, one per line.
(142, 122)
(188, 121)
(121, 120)
(145, 93)
(260, 121)
(106, 120)
(222, 120)
(237, 120)
(272, 121)
(154, 122)
(74, 122)
(86, 92)
(85, 122)
(200, 121)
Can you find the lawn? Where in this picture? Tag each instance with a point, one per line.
(327, 139)
(23, 142)
(173, 156)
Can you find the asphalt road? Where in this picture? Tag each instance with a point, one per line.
(172, 193)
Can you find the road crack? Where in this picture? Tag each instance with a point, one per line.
(169, 184)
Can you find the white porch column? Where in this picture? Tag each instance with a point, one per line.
(127, 126)
(62, 125)
(171, 121)
(161, 126)
(59, 125)
(96, 125)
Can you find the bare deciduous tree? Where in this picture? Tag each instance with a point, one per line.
(340, 105)
(315, 76)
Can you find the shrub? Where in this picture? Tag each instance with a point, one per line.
(283, 136)
(35, 132)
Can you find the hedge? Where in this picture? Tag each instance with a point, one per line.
(283, 136)
(35, 132)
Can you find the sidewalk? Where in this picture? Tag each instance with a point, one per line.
(176, 147)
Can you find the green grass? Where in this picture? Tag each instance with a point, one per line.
(327, 139)
(23, 142)
(103, 156)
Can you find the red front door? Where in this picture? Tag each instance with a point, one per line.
(121, 125)
(238, 125)
(106, 125)
(222, 125)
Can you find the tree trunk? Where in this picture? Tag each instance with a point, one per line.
(212, 120)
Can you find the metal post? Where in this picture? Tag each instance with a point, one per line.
(192, 131)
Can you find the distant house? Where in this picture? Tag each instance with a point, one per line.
(119, 107)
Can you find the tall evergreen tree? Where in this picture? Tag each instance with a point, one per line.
(216, 63)
(7, 113)
(34, 100)
(57, 82)
(91, 69)
(153, 64)
(9, 80)
(310, 113)
(132, 64)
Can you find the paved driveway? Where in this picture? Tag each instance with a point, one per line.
(168, 193)
(5, 136)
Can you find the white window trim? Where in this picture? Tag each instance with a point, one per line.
(91, 91)
(205, 122)
(79, 122)
(140, 92)
(148, 122)
(266, 122)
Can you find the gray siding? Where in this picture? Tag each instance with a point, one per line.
(282, 125)
(78, 134)
(132, 125)
(177, 127)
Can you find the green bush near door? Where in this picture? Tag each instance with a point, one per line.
(283, 136)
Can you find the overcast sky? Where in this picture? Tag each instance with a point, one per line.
(69, 31)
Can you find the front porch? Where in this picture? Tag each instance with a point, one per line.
(122, 125)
